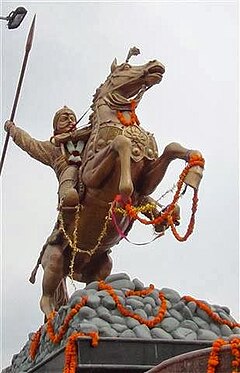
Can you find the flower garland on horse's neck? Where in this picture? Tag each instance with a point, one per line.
(133, 117)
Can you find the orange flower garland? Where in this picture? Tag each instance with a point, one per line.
(57, 337)
(35, 343)
(132, 211)
(140, 293)
(133, 117)
(191, 223)
(210, 313)
(125, 312)
(71, 350)
(235, 347)
(213, 360)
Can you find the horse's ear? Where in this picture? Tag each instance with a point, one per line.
(113, 65)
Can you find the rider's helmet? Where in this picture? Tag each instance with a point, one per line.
(64, 120)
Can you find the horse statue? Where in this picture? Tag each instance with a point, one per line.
(120, 158)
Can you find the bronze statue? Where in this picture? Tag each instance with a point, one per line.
(113, 155)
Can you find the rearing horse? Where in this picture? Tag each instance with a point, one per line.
(120, 157)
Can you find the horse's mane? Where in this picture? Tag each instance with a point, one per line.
(98, 90)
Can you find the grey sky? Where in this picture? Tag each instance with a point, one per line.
(195, 105)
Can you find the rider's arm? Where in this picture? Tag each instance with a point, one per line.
(82, 133)
(39, 150)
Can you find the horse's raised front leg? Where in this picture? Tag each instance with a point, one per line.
(122, 145)
(104, 163)
(157, 169)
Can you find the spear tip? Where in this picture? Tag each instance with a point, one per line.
(30, 35)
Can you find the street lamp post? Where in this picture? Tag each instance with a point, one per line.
(15, 18)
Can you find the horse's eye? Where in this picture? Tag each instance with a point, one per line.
(127, 66)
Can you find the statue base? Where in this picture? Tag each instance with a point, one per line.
(120, 355)
(138, 328)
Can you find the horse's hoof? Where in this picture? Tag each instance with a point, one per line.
(194, 177)
(46, 306)
(176, 215)
(175, 218)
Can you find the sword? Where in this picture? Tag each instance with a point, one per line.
(28, 47)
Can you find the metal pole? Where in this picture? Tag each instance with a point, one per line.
(28, 47)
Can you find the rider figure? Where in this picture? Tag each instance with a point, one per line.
(62, 153)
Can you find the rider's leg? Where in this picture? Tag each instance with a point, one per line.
(53, 265)
(68, 195)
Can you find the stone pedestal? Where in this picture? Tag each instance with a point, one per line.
(120, 355)
(134, 337)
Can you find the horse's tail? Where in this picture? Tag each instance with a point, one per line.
(61, 295)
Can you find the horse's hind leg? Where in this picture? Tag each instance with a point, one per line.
(53, 265)
(97, 269)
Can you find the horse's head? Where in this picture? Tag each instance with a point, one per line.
(130, 82)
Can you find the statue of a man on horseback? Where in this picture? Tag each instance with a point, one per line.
(106, 172)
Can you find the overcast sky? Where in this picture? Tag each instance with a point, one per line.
(195, 105)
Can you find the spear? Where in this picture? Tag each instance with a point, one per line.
(28, 47)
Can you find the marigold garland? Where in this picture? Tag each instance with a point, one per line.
(127, 313)
(133, 117)
(214, 358)
(57, 337)
(235, 347)
(191, 222)
(166, 216)
(35, 343)
(71, 350)
(140, 293)
(210, 313)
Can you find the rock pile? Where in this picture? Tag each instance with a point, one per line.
(183, 320)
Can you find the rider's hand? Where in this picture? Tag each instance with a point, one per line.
(60, 139)
(8, 124)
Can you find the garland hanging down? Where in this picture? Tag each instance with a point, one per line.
(119, 206)
(168, 215)
(214, 358)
